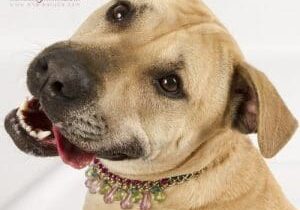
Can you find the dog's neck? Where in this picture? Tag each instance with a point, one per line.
(238, 164)
(208, 153)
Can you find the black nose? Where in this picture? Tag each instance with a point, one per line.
(60, 75)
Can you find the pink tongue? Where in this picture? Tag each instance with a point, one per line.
(69, 153)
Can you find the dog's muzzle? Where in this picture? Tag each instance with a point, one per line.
(60, 81)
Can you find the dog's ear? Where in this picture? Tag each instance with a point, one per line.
(256, 107)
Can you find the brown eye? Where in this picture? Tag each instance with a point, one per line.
(120, 12)
(170, 83)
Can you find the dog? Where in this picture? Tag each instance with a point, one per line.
(157, 89)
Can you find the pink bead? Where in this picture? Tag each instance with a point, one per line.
(93, 186)
(88, 183)
(146, 201)
(109, 197)
(127, 203)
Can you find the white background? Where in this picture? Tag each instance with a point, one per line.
(268, 31)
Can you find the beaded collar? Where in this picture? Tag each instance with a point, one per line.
(129, 192)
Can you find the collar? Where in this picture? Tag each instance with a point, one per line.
(129, 192)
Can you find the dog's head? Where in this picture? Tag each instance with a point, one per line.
(145, 82)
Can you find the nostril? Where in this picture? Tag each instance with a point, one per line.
(57, 87)
(43, 64)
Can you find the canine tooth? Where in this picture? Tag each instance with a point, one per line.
(33, 134)
(43, 134)
(19, 112)
(24, 105)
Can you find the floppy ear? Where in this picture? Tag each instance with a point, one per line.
(257, 108)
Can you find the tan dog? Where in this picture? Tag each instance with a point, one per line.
(160, 89)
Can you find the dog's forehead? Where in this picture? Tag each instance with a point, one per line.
(154, 18)
(165, 31)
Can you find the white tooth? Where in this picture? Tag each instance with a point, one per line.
(21, 117)
(28, 128)
(20, 114)
(43, 134)
(33, 134)
(24, 105)
(23, 124)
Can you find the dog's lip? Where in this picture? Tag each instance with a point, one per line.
(28, 144)
(21, 123)
(24, 141)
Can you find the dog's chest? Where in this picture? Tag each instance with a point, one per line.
(96, 202)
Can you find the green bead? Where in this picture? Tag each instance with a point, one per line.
(158, 193)
(136, 195)
(105, 189)
(120, 194)
(92, 173)
(160, 196)
(156, 189)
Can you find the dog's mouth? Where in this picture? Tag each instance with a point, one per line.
(33, 132)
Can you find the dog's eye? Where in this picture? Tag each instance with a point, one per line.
(170, 83)
(171, 86)
(119, 12)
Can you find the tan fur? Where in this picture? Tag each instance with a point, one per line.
(185, 136)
